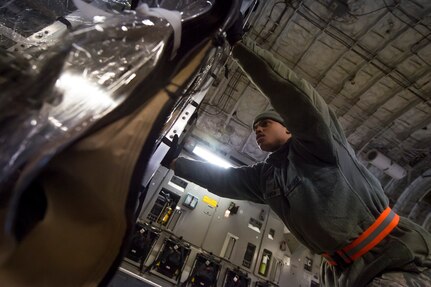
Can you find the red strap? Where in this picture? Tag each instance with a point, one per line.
(383, 225)
(379, 238)
(367, 232)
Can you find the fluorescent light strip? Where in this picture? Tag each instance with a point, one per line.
(211, 157)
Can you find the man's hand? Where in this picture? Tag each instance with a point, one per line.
(172, 154)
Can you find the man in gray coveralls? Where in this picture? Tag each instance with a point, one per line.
(314, 182)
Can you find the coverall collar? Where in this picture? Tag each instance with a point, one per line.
(279, 157)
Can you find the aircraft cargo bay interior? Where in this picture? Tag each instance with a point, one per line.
(215, 143)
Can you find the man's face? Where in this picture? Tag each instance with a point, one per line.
(270, 135)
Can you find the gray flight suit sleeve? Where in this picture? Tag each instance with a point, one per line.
(237, 183)
(305, 112)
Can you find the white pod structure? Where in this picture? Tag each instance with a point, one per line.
(384, 163)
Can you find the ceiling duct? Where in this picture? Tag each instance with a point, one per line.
(384, 163)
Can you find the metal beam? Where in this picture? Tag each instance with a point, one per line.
(370, 112)
(286, 26)
(360, 37)
(266, 3)
(366, 140)
(316, 38)
(274, 25)
(356, 98)
(369, 57)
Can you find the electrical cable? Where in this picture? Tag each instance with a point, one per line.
(370, 12)
(344, 21)
(269, 17)
(345, 43)
(408, 24)
(276, 23)
(348, 45)
(319, 18)
(273, 6)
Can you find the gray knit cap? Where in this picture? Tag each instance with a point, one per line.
(269, 114)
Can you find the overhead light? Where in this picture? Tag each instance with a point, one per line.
(211, 157)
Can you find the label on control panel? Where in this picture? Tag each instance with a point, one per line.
(210, 201)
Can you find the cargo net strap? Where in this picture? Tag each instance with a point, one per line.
(173, 17)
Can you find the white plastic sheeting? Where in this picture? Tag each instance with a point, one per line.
(55, 89)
